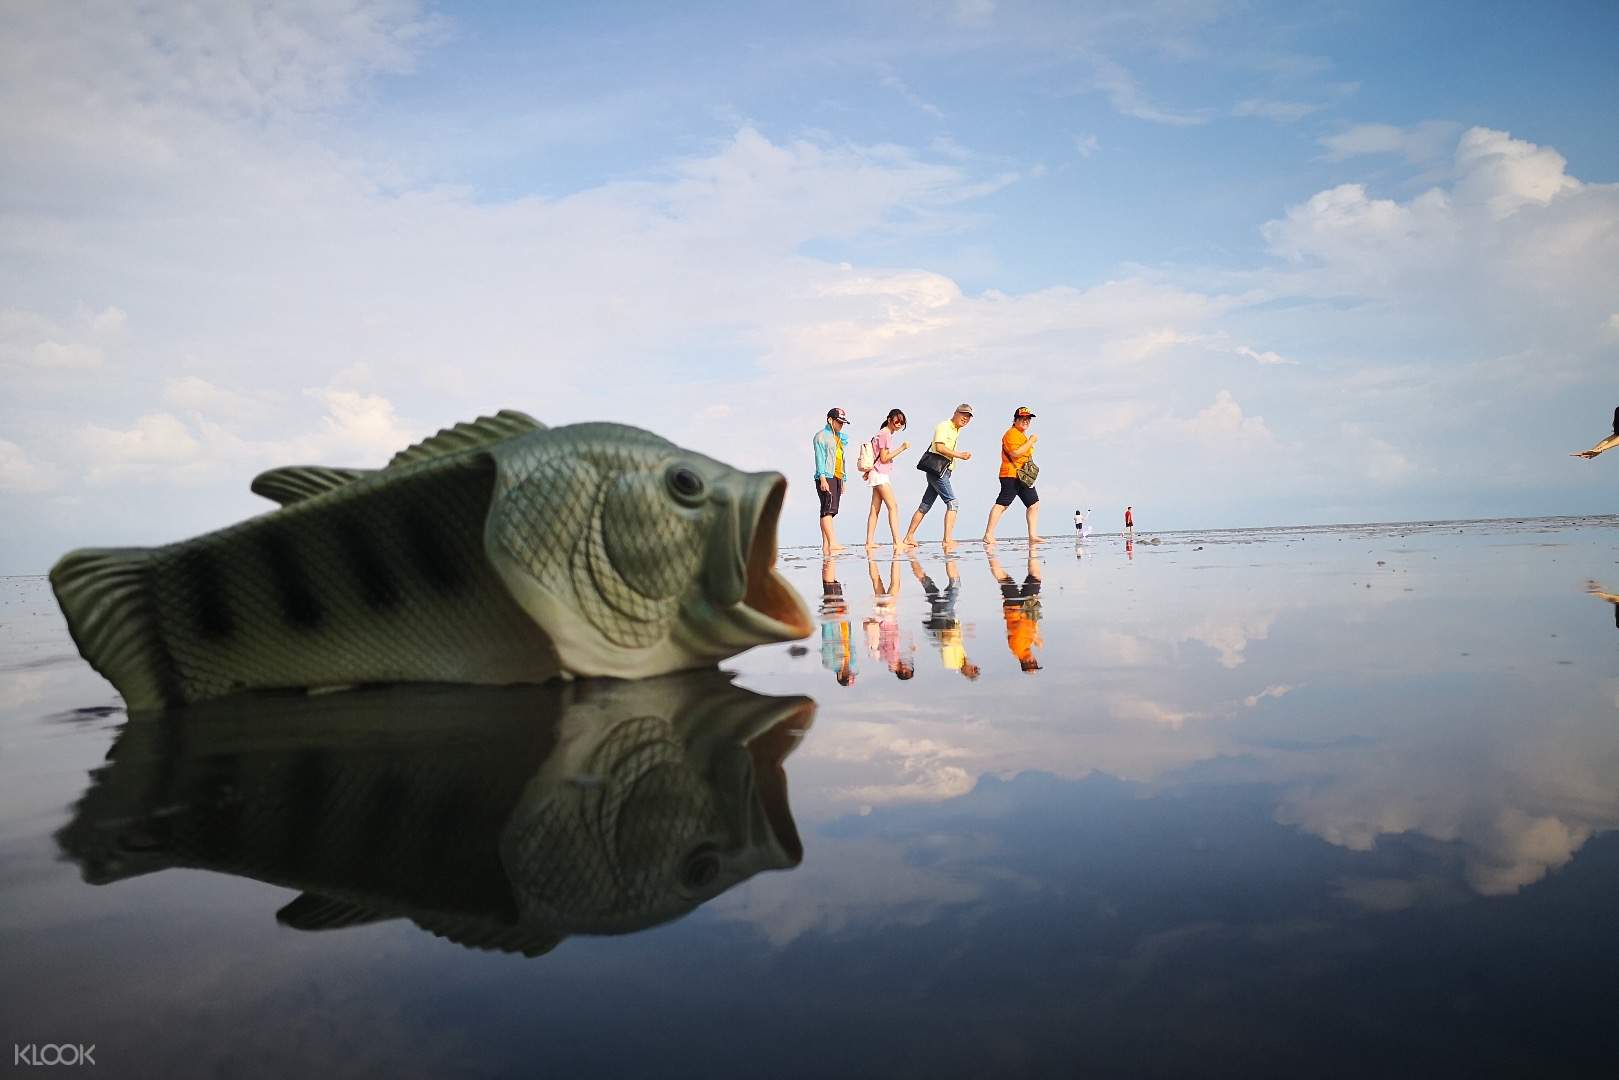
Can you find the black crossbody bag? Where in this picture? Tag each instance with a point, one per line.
(932, 462)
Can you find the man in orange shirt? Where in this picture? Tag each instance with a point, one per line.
(1017, 448)
(1021, 609)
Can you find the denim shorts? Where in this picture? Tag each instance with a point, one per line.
(938, 487)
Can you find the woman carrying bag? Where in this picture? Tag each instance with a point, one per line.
(1018, 473)
(876, 463)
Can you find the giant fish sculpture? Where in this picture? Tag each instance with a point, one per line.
(497, 551)
(501, 818)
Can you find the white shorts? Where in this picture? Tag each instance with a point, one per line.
(877, 479)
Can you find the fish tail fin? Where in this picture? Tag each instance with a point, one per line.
(105, 595)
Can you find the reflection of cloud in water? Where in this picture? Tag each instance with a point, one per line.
(1230, 637)
(19, 688)
(1252, 700)
(912, 767)
(854, 882)
(1139, 709)
(1514, 821)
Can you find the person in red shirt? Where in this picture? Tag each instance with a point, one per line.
(1129, 521)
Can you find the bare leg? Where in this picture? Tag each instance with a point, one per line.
(893, 512)
(1034, 522)
(995, 513)
(871, 518)
(829, 541)
(910, 533)
(949, 529)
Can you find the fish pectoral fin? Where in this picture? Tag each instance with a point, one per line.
(467, 436)
(295, 483)
(491, 935)
(312, 911)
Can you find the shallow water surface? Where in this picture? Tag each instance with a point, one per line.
(1304, 801)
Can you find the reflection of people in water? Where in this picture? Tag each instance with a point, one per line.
(882, 629)
(943, 628)
(1606, 444)
(1596, 590)
(836, 654)
(1130, 548)
(1020, 605)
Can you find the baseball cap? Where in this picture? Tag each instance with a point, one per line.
(837, 414)
(1022, 411)
(964, 408)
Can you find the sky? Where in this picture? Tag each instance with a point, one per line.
(1251, 264)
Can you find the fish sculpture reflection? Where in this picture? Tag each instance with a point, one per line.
(498, 818)
(499, 551)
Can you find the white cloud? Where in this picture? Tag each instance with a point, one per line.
(198, 395)
(1506, 174)
(1222, 424)
(1121, 89)
(21, 475)
(896, 84)
(1268, 358)
(1419, 143)
(1283, 111)
(54, 354)
(362, 422)
(1087, 145)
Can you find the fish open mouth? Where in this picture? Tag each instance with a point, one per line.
(768, 751)
(770, 605)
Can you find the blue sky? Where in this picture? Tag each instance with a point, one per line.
(1251, 263)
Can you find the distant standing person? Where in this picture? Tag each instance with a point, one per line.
(1606, 444)
(944, 446)
(830, 442)
(1129, 522)
(1017, 454)
(883, 453)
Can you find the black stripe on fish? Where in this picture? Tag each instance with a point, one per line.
(299, 605)
(210, 611)
(383, 819)
(218, 812)
(307, 790)
(431, 554)
(367, 563)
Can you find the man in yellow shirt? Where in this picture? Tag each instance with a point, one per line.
(944, 445)
(1017, 447)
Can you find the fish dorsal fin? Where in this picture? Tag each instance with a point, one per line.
(295, 483)
(466, 436)
(312, 911)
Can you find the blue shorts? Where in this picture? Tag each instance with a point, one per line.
(938, 488)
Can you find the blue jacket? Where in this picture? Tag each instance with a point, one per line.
(826, 454)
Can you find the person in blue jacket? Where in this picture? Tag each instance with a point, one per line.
(830, 443)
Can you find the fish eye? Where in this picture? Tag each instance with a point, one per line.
(686, 484)
(700, 868)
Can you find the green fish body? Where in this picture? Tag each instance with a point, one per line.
(498, 551)
(498, 818)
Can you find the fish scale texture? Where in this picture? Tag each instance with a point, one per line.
(602, 529)
(283, 603)
(614, 852)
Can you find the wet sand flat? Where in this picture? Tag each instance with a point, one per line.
(1324, 800)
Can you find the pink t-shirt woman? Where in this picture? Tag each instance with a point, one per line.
(883, 440)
